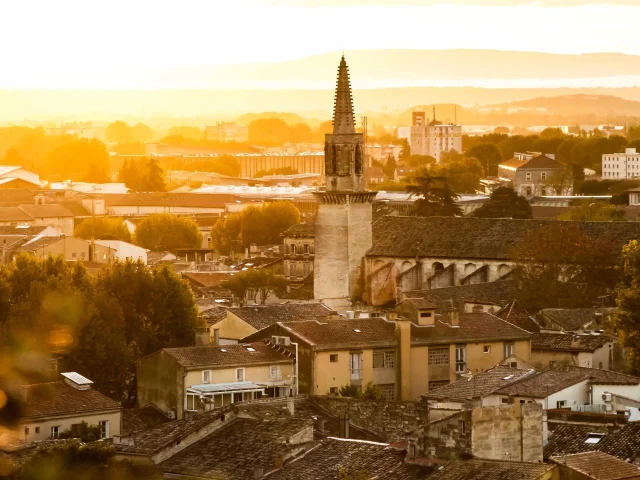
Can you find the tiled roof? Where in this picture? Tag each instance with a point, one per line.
(518, 316)
(234, 354)
(475, 238)
(622, 442)
(351, 458)
(76, 209)
(513, 162)
(261, 316)
(233, 451)
(14, 214)
(490, 470)
(22, 231)
(136, 419)
(568, 342)
(495, 293)
(545, 383)
(59, 398)
(40, 242)
(599, 466)
(15, 196)
(421, 304)
(572, 319)
(472, 327)
(542, 161)
(170, 199)
(305, 229)
(212, 279)
(214, 314)
(46, 211)
(344, 333)
(479, 385)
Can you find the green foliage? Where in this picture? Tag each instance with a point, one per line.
(83, 462)
(90, 153)
(561, 266)
(349, 390)
(82, 431)
(405, 152)
(504, 203)
(627, 319)
(594, 211)
(489, 156)
(164, 231)
(142, 175)
(390, 166)
(419, 161)
(186, 132)
(463, 174)
(255, 285)
(103, 228)
(372, 392)
(436, 198)
(260, 225)
(121, 132)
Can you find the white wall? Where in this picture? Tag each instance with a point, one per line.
(125, 250)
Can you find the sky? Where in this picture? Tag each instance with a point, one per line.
(64, 44)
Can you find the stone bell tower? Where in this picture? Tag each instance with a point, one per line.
(345, 208)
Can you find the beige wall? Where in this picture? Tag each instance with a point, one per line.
(337, 374)
(65, 423)
(232, 327)
(419, 371)
(256, 374)
(64, 224)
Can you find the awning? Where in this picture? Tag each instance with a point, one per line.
(232, 387)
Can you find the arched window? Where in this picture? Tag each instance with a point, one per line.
(437, 268)
(469, 268)
(334, 159)
(503, 269)
(406, 265)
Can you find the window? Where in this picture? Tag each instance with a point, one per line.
(73, 254)
(306, 268)
(292, 269)
(388, 391)
(384, 359)
(37, 429)
(486, 349)
(561, 403)
(594, 438)
(274, 372)
(509, 349)
(425, 314)
(461, 358)
(293, 248)
(26, 431)
(333, 358)
(504, 400)
(206, 376)
(82, 255)
(192, 402)
(462, 426)
(543, 176)
(333, 390)
(55, 431)
(439, 356)
(355, 361)
(239, 374)
(306, 248)
(527, 175)
(104, 428)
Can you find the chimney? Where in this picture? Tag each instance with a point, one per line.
(203, 336)
(216, 336)
(344, 425)
(291, 405)
(320, 424)
(426, 316)
(258, 472)
(403, 336)
(453, 317)
(278, 461)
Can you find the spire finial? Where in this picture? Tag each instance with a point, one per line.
(343, 117)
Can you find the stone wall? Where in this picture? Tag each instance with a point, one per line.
(391, 420)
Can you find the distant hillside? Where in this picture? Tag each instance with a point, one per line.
(600, 105)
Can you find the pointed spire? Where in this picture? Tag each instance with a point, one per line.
(343, 118)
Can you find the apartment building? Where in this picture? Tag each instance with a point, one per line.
(621, 165)
(434, 138)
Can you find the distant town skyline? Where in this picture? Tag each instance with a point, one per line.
(71, 44)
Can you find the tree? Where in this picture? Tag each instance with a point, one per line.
(119, 132)
(78, 159)
(451, 156)
(164, 231)
(560, 265)
(103, 228)
(13, 157)
(436, 198)
(186, 132)
(389, 168)
(132, 175)
(256, 285)
(278, 217)
(463, 175)
(594, 212)
(226, 234)
(489, 156)
(268, 132)
(154, 179)
(419, 161)
(627, 318)
(551, 132)
(560, 181)
(504, 203)
(405, 152)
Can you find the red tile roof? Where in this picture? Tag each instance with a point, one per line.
(225, 355)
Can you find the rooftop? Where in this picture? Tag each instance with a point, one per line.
(599, 466)
(261, 316)
(545, 383)
(136, 419)
(490, 470)
(46, 211)
(572, 319)
(170, 199)
(223, 355)
(568, 342)
(475, 238)
(52, 399)
(472, 326)
(539, 161)
(518, 316)
(479, 385)
(303, 229)
(495, 293)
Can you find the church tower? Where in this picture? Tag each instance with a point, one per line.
(345, 209)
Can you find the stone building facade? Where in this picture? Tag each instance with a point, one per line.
(345, 209)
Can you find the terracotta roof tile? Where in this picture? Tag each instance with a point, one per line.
(621, 442)
(344, 333)
(496, 293)
(572, 319)
(261, 316)
(568, 342)
(234, 354)
(169, 199)
(599, 466)
(474, 238)
(490, 470)
(136, 419)
(60, 398)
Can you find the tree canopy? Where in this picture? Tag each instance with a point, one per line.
(463, 174)
(435, 198)
(504, 203)
(594, 212)
(489, 156)
(103, 228)
(142, 175)
(164, 231)
(627, 319)
(255, 285)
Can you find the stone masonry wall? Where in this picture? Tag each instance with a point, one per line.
(391, 420)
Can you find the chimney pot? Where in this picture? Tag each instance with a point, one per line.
(344, 425)
(291, 405)
(453, 317)
(320, 424)
(216, 336)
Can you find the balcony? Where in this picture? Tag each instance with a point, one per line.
(275, 377)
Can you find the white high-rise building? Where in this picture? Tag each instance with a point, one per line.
(434, 138)
(621, 165)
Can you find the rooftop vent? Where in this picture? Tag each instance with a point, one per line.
(76, 380)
